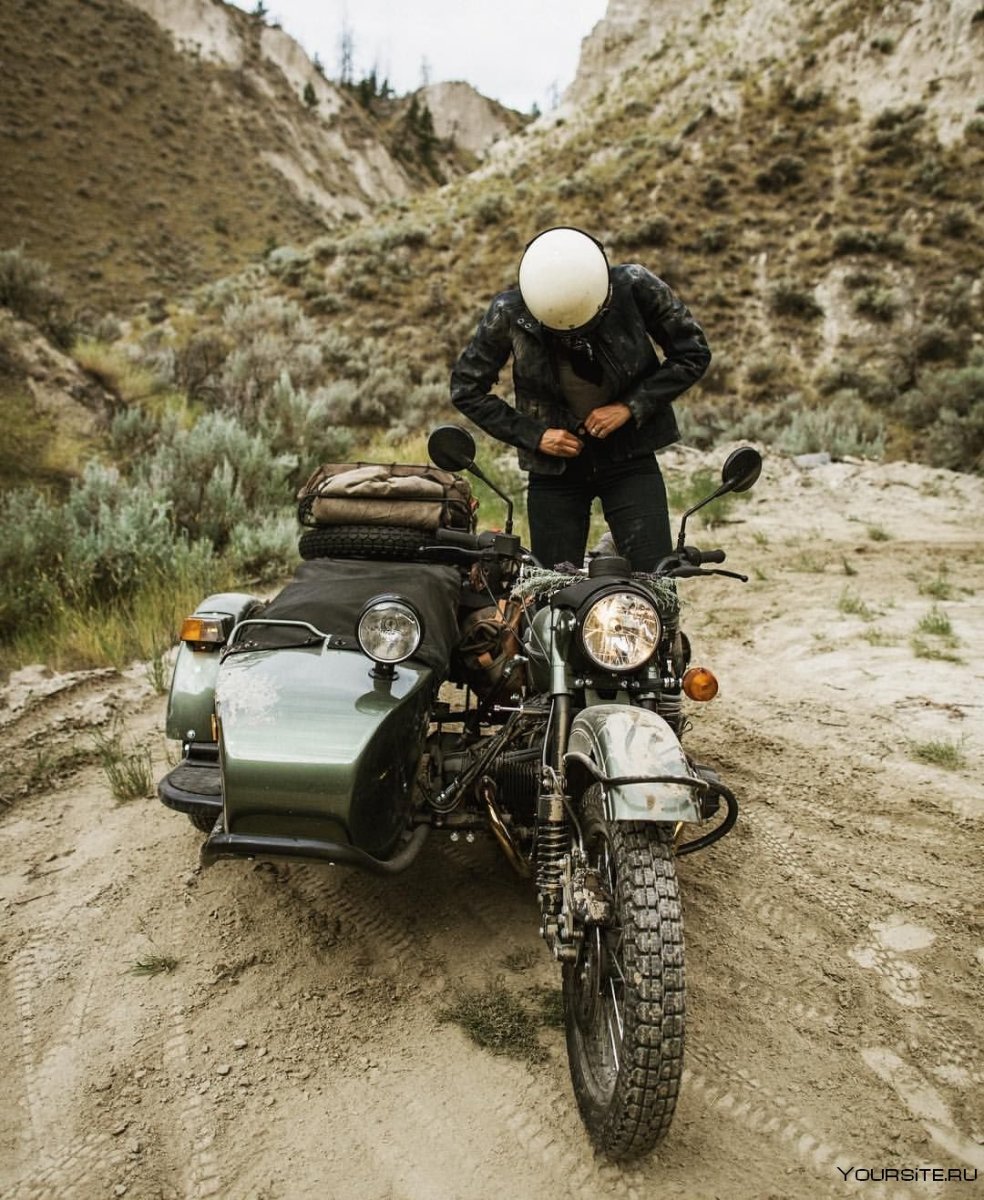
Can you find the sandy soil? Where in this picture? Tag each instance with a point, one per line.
(835, 941)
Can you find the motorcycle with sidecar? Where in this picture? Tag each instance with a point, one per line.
(413, 682)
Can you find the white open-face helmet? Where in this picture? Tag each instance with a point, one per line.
(563, 278)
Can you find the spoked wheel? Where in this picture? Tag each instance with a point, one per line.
(624, 995)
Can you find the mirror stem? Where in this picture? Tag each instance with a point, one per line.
(474, 468)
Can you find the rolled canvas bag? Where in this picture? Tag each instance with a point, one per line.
(416, 497)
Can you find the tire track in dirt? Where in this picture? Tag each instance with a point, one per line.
(542, 1119)
(62, 1168)
(201, 1173)
(925, 1103)
(737, 1096)
(364, 907)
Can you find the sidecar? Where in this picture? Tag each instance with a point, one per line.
(303, 720)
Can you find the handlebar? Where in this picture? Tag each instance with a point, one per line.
(458, 546)
(457, 537)
(710, 556)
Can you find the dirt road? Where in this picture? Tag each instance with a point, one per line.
(835, 941)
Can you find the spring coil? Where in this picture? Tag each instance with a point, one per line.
(551, 847)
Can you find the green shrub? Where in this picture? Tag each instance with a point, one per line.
(490, 209)
(957, 222)
(715, 238)
(782, 173)
(714, 190)
(264, 550)
(108, 539)
(789, 299)
(28, 290)
(853, 240)
(655, 231)
(936, 342)
(948, 410)
(216, 476)
(895, 134)
(878, 303)
(842, 424)
(297, 425)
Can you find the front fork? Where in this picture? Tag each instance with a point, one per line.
(555, 813)
(572, 895)
(569, 892)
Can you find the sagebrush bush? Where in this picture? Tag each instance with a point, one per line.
(947, 407)
(218, 475)
(489, 209)
(655, 231)
(264, 550)
(107, 539)
(853, 240)
(878, 303)
(800, 423)
(29, 291)
(789, 299)
(296, 424)
(782, 173)
(842, 425)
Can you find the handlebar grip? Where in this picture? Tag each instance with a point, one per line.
(712, 556)
(456, 537)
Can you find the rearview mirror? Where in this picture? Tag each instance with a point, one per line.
(741, 469)
(451, 448)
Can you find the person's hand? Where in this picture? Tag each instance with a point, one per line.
(600, 422)
(560, 444)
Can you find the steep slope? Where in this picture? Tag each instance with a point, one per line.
(135, 160)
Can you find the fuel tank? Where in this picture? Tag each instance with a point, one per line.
(312, 745)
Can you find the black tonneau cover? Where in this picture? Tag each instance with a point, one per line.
(330, 593)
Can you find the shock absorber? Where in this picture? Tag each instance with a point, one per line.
(551, 843)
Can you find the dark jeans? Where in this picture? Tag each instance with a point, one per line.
(633, 498)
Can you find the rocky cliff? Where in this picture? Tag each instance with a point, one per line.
(874, 55)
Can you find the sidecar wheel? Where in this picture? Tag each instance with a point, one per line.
(392, 543)
(624, 996)
(203, 819)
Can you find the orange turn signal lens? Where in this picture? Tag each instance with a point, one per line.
(203, 630)
(700, 684)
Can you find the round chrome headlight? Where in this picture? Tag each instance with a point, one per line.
(389, 629)
(620, 631)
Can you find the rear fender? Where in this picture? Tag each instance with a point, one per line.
(621, 740)
(191, 703)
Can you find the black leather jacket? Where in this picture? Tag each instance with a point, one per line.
(643, 309)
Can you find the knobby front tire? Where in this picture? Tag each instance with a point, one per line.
(624, 998)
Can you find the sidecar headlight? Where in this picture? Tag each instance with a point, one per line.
(620, 631)
(389, 629)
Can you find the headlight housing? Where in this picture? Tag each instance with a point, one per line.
(390, 629)
(620, 631)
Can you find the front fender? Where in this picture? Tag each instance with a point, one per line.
(191, 702)
(622, 740)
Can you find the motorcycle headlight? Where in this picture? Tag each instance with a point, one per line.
(620, 631)
(389, 629)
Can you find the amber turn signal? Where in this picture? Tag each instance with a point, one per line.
(700, 684)
(203, 630)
